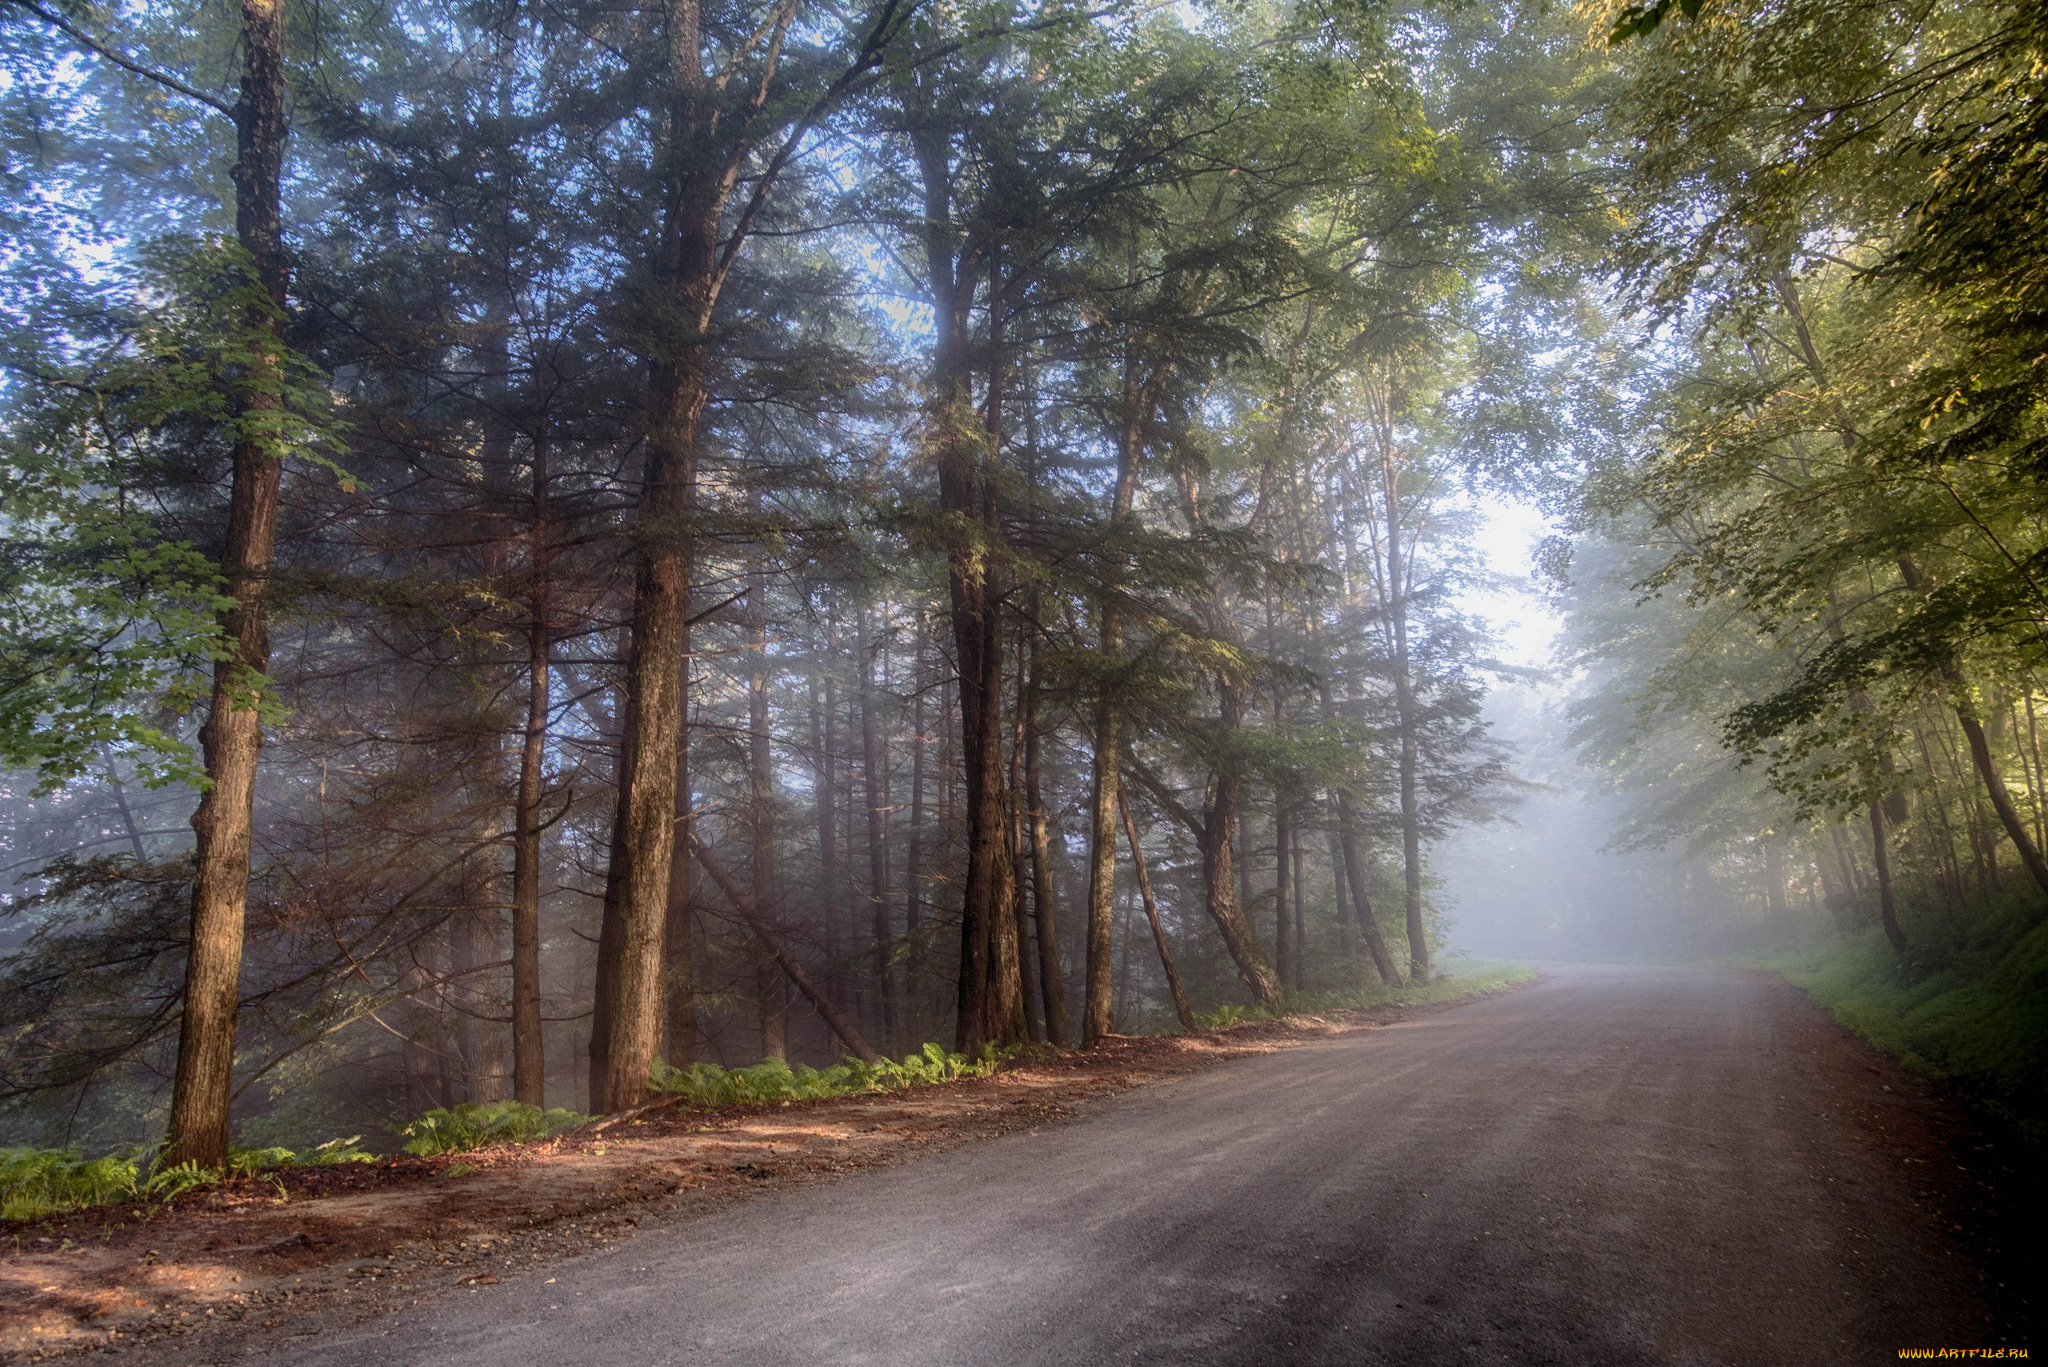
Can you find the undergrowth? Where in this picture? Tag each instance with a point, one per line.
(472, 1125)
(1469, 980)
(1972, 1012)
(39, 1182)
(707, 1084)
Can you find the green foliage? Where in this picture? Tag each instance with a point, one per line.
(1230, 1013)
(1642, 20)
(167, 1184)
(249, 1162)
(1974, 1013)
(109, 623)
(706, 1084)
(38, 1182)
(475, 1124)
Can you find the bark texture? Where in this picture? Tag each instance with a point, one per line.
(232, 738)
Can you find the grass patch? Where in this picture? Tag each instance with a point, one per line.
(707, 1084)
(1473, 979)
(1975, 1016)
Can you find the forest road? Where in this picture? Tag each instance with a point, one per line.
(1617, 1165)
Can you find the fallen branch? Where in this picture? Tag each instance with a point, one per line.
(848, 1033)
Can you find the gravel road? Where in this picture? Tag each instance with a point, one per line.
(1614, 1166)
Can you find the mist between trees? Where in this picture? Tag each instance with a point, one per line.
(702, 533)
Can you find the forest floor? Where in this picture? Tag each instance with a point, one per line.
(337, 1244)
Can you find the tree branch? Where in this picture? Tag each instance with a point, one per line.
(121, 59)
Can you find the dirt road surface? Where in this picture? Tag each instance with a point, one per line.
(1615, 1166)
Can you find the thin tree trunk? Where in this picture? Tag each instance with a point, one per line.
(1404, 711)
(876, 785)
(1283, 921)
(529, 1056)
(1338, 894)
(1361, 901)
(679, 948)
(1219, 878)
(913, 857)
(2040, 776)
(1887, 910)
(1020, 852)
(825, 742)
(1050, 972)
(224, 823)
(1994, 785)
(774, 1010)
(1105, 791)
(1847, 862)
(1181, 1008)
(128, 826)
(1300, 917)
(1121, 1004)
(1100, 932)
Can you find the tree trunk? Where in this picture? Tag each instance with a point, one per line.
(1219, 879)
(1847, 863)
(1994, 785)
(223, 826)
(825, 744)
(1338, 896)
(1096, 1001)
(1181, 1008)
(1361, 900)
(529, 1059)
(1404, 711)
(1020, 853)
(679, 948)
(1283, 923)
(913, 856)
(875, 764)
(1051, 975)
(761, 812)
(1300, 917)
(626, 1007)
(707, 132)
(990, 1004)
(1881, 854)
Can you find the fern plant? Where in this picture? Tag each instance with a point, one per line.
(38, 1182)
(472, 1125)
(707, 1084)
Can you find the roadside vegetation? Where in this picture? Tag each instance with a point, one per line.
(1969, 1010)
(39, 1182)
(1458, 980)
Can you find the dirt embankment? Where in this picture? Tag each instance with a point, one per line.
(316, 1245)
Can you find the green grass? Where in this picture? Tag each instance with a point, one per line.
(1470, 979)
(1973, 1013)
